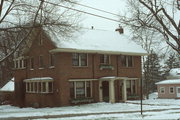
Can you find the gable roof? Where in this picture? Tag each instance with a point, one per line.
(173, 81)
(97, 41)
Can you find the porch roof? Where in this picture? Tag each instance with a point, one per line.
(172, 81)
(116, 78)
(39, 79)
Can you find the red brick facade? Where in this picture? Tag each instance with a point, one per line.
(63, 70)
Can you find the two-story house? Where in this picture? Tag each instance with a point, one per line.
(92, 66)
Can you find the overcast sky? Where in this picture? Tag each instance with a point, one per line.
(113, 6)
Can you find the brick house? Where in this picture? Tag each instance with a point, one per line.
(170, 88)
(93, 66)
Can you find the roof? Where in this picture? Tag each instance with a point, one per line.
(9, 86)
(174, 73)
(38, 79)
(172, 81)
(97, 41)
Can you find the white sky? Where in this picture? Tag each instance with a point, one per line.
(113, 6)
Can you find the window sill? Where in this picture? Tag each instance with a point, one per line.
(41, 68)
(31, 69)
(51, 67)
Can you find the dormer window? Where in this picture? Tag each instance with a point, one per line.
(105, 59)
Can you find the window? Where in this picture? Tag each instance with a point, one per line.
(32, 63)
(171, 90)
(51, 60)
(81, 89)
(20, 63)
(130, 85)
(41, 64)
(127, 61)
(105, 59)
(162, 90)
(39, 87)
(79, 59)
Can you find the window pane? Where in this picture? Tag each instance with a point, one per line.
(80, 89)
(101, 58)
(25, 63)
(50, 86)
(51, 59)
(130, 62)
(72, 89)
(32, 87)
(41, 64)
(83, 59)
(39, 87)
(88, 89)
(123, 60)
(75, 59)
(35, 86)
(43, 87)
(32, 63)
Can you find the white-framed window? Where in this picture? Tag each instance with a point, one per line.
(81, 89)
(171, 90)
(162, 90)
(79, 59)
(104, 59)
(20, 63)
(31, 63)
(41, 62)
(39, 87)
(127, 61)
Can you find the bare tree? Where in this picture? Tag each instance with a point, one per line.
(158, 16)
(18, 20)
(18, 15)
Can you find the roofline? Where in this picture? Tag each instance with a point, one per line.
(56, 50)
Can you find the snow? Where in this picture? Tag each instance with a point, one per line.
(172, 81)
(94, 40)
(39, 79)
(9, 86)
(152, 109)
(174, 73)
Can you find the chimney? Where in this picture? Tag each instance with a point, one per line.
(120, 29)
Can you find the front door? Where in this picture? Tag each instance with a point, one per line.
(178, 91)
(105, 89)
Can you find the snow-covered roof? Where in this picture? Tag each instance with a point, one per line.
(38, 79)
(9, 86)
(173, 81)
(174, 73)
(97, 41)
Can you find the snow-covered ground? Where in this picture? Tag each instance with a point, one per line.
(152, 109)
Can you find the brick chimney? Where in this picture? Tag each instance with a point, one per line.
(120, 30)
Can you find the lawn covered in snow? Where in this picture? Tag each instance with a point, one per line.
(152, 109)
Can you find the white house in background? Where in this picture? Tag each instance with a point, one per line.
(170, 88)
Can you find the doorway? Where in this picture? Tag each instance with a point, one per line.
(105, 91)
(178, 91)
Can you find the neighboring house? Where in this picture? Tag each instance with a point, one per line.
(93, 66)
(7, 92)
(170, 88)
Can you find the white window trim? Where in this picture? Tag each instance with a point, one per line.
(32, 90)
(75, 96)
(17, 66)
(170, 90)
(79, 59)
(104, 59)
(161, 91)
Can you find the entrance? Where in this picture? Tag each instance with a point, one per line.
(105, 89)
(178, 91)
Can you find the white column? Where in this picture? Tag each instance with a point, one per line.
(111, 92)
(124, 91)
(100, 91)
